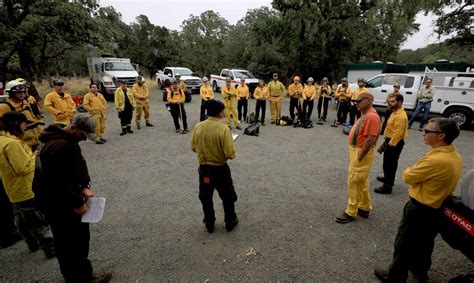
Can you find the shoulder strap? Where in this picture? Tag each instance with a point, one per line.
(356, 132)
(9, 105)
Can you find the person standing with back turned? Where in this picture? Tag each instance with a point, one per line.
(212, 142)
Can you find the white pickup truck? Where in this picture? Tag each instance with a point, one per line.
(453, 98)
(235, 75)
(193, 83)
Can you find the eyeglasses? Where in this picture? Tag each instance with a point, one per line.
(359, 101)
(430, 131)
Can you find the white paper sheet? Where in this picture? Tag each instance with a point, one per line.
(95, 212)
(235, 136)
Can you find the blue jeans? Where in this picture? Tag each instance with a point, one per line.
(425, 106)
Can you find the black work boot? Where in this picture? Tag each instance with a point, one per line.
(124, 132)
(209, 225)
(129, 130)
(383, 190)
(230, 225)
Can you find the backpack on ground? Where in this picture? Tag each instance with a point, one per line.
(306, 124)
(252, 118)
(252, 130)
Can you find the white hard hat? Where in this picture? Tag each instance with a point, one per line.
(14, 86)
(310, 79)
(177, 75)
(205, 79)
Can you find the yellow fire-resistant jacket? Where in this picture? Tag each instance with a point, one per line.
(120, 98)
(261, 93)
(55, 104)
(434, 177)
(294, 88)
(276, 89)
(175, 96)
(328, 90)
(229, 94)
(17, 167)
(344, 93)
(182, 85)
(396, 128)
(141, 93)
(358, 91)
(31, 135)
(243, 91)
(95, 104)
(212, 142)
(206, 92)
(309, 92)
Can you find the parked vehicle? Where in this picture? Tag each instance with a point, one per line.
(453, 98)
(193, 83)
(218, 81)
(106, 71)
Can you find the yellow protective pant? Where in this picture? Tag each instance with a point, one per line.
(100, 125)
(275, 107)
(231, 108)
(358, 181)
(145, 108)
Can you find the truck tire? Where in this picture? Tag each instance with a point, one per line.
(214, 86)
(462, 116)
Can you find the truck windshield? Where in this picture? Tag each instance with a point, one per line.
(183, 71)
(118, 66)
(243, 74)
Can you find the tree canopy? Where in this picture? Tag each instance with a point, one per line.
(42, 38)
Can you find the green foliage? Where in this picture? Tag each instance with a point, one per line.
(446, 50)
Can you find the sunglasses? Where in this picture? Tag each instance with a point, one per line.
(430, 131)
(359, 101)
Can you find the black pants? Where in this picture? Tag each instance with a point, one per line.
(71, 239)
(219, 178)
(126, 117)
(353, 114)
(261, 104)
(177, 115)
(294, 103)
(307, 109)
(387, 115)
(8, 229)
(390, 162)
(203, 115)
(415, 241)
(323, 102)
(242, 104)
(342, 111)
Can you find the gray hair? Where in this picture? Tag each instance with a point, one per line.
(85, 122)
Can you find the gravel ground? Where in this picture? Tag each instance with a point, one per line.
(291, 183)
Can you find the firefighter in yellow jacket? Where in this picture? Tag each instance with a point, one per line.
(344, 95)
(228, 94)
(140, 90)
(355, 94)
(261, 95)
(277, 91)
(176, 99)
(295, 91)
(206, 93)
(16, 101)
(60, 104)
(323, 100)
(125, 105)
(309, 94)
(94, 102)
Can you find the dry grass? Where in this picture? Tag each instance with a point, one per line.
(78, 86)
